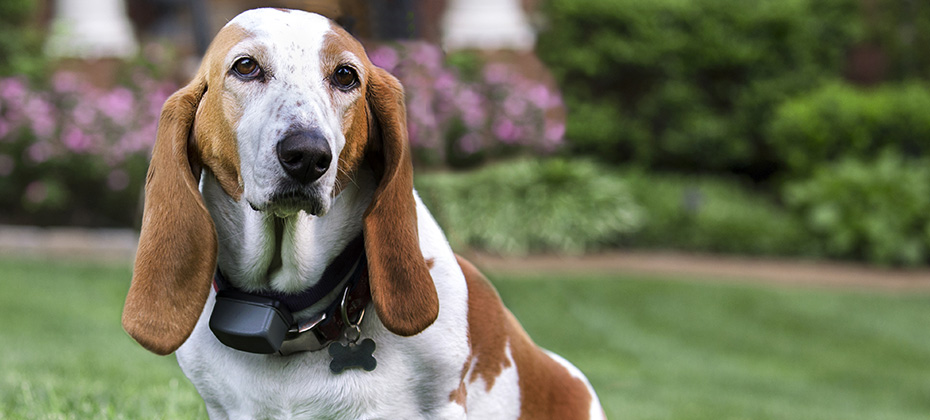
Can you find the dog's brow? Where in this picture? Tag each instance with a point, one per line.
(339, 48)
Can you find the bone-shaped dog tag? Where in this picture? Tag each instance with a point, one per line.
(352, 355)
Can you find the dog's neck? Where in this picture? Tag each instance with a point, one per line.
(259, 251)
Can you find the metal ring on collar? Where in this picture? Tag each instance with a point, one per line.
(345, 318)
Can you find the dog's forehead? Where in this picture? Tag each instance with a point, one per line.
(295, 31)
(277, 22)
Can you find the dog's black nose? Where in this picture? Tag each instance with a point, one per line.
(304, 155)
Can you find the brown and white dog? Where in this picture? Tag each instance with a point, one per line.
(286, 146)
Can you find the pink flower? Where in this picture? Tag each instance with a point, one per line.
(117, 104)
(506, 131)
(445, 83)
(39, 152)
(42, 116)
(36, 192)
(139, 140)
(427, 55)
(539, 96)
(496, 73)
(470, 143)
(84, 113)
(472, 107)
(12, 89)
(384, 57)
(76, 140)
(65, 82)
(514, 106)
(554, 131)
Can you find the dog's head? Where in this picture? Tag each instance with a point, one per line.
(285, 108)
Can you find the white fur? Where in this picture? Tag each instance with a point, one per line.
(287, 47)
(415, 376)
(502, 401)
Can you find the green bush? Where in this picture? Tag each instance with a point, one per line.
(529, 206)
(20, 40)
(901, 29)
(707, 214)
(839, 120)
(575, 206)
(689, 84)
(877, 210)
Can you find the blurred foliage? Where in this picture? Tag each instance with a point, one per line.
(726, 87)
(873, 209)
(839, 120)
(530, 206)
(709, 214)
(689, 84)
(902, 29)
(463, 111)
(575, 206)
(75, 154)
(20, 40)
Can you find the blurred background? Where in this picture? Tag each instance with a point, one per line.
(639, 144)
(775, 128)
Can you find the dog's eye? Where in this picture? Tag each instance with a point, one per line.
(345, 78)
(247, 68)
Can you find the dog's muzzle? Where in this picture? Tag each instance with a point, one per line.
(305, 155)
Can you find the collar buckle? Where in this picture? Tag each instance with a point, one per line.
(303, 337)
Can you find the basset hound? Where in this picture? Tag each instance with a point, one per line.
(286, 258)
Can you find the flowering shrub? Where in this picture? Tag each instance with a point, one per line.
(456, 121)
(71, 153)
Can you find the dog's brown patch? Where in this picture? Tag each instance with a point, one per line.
(460, 394)
(214, 135)
(488, 328)
(547, 389)
(338, 47)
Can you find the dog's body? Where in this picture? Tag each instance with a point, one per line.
(301, 144)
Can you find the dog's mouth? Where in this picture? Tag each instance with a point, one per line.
(287, 202)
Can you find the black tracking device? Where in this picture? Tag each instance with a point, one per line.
(262, 322)
(250, 323)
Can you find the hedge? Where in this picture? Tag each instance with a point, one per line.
(875, 209)
(574, 206)
(528, 206)
(714, 214)
(690, 84)
(839, 121)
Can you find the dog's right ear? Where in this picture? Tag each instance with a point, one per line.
(402, 289)
(177, 246)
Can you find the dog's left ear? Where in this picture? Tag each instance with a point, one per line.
(177, 246)
(401, 287)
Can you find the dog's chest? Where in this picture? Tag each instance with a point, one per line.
(406, 384)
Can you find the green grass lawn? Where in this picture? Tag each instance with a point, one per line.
(654, 348)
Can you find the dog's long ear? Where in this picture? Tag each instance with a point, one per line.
(401, 287)
(177, 246)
